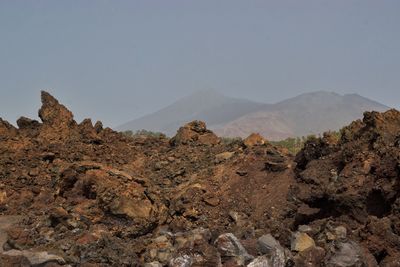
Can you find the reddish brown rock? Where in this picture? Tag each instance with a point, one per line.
(53, 113)
(58, 121)
(6, 130)
(195, 132)
(254, 139)
(311, 257)
(97, 197)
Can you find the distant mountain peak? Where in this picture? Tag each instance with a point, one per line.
(307, 113)
(205, 94)
(209, 91)
(320, 93)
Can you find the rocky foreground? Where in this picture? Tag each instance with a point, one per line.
(79, 195)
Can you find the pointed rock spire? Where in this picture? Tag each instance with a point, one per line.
(53, 113)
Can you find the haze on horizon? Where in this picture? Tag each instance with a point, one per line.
(119, 60)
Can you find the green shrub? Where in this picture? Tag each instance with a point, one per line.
(143, 132)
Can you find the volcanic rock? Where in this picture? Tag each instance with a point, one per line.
(275, 254)
(195, 132)
(96, 197)
(223, 156)
(28, 126)
(301, 241)
(348, 254)
(267, 243)
(35, 258)
(254, 139)
(230, 248)
(53, 113)
(311, 257)
(6, 130)
(262, 261)
(355, 179)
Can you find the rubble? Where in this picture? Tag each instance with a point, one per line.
(78, 194)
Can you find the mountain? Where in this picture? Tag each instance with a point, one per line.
(206, 105)
(305, 114)
(309, 113)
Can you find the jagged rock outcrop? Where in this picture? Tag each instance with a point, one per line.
(53, 113)
(195, 132)
(88, 196)
(355, 181)
(58, 121)
(92, 194)
(6, 130)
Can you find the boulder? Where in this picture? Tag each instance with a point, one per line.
(230, 248)
(195, 132)
(160, 249)
(267, 243)
(223, 156)
(311, 257)
(28, 126)
(128, 207)
(88, 132)
(98, 126)
(254, 139)
(262, 261)
(35, 258)
(53, 113)
(348, 254)
(153, 264)
(277, 256)
(301, 241)
(181, 261)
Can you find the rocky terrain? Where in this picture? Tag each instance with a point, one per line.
(83, 195)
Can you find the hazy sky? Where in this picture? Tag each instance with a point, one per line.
(117, 60)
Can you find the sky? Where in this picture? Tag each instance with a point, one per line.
(118, 60)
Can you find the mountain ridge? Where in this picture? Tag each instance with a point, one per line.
(304, 114)
(207, 105)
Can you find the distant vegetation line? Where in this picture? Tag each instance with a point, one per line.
(292, 144)
(143, 132)
(295, 144)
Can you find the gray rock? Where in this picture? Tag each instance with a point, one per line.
(262, 261)
(340, 232)
(276, 255)
(181, 261)
(35, 258)
(230, 247)
(153, 264)
(277, 258)
(347, 254)
(267, 243)
(305, 229)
